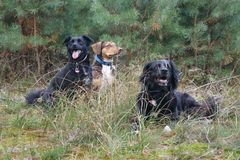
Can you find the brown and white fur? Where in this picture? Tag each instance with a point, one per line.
(103, 68)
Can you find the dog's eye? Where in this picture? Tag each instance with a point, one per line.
(80, 41)
(72, 41)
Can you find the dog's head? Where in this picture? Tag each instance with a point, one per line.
(77, 46)
(161, 73)
(106, 50)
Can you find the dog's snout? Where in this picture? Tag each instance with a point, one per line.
(164, 70)
(74, 45)
(120, 50)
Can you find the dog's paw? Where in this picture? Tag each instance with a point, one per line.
(87, 81)
(135, 125)
(135, 128)
(39, 100)
(47, 98)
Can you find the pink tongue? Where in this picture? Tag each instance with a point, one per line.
(75, 54)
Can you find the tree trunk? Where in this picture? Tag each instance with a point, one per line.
(36, 47)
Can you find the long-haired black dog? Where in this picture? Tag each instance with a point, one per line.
(77, 71)
(158, 94)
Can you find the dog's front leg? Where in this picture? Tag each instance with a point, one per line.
(87, 81)
(143, 106)
(48, 96)
(143, 111)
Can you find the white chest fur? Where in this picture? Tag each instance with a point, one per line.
(108, 76)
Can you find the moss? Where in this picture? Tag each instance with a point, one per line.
(189, 151)
(54, 154)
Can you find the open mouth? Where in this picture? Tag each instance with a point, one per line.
(161, 81)
(76, 53)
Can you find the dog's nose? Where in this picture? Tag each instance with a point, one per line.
(120, 50)
(74, 45)
(164, 70)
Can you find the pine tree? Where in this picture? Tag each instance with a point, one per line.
(209, 29)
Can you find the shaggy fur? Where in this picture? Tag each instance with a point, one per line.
(76, 72)
(158, 94)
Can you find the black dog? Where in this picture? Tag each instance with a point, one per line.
(77, 71)
(158, 94)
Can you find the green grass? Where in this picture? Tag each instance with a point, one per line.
(100, 128)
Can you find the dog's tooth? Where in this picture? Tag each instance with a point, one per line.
(163, 81)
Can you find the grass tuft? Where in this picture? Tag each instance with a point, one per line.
(100, 128)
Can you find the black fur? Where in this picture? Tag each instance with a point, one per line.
(159, 82)
(77, 71)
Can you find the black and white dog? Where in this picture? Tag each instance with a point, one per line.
(159, 81)
(77, 71)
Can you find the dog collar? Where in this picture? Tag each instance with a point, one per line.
(76, 64)
(101, 61)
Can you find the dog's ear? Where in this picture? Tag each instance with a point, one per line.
(97, 47)
(87, 39)
(67, 40)
(145, 72)
(175, 75)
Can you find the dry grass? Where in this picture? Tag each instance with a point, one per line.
(100, 129)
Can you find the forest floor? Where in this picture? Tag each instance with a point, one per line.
(100, 128)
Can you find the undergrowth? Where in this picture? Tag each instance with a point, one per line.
(99, 128)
